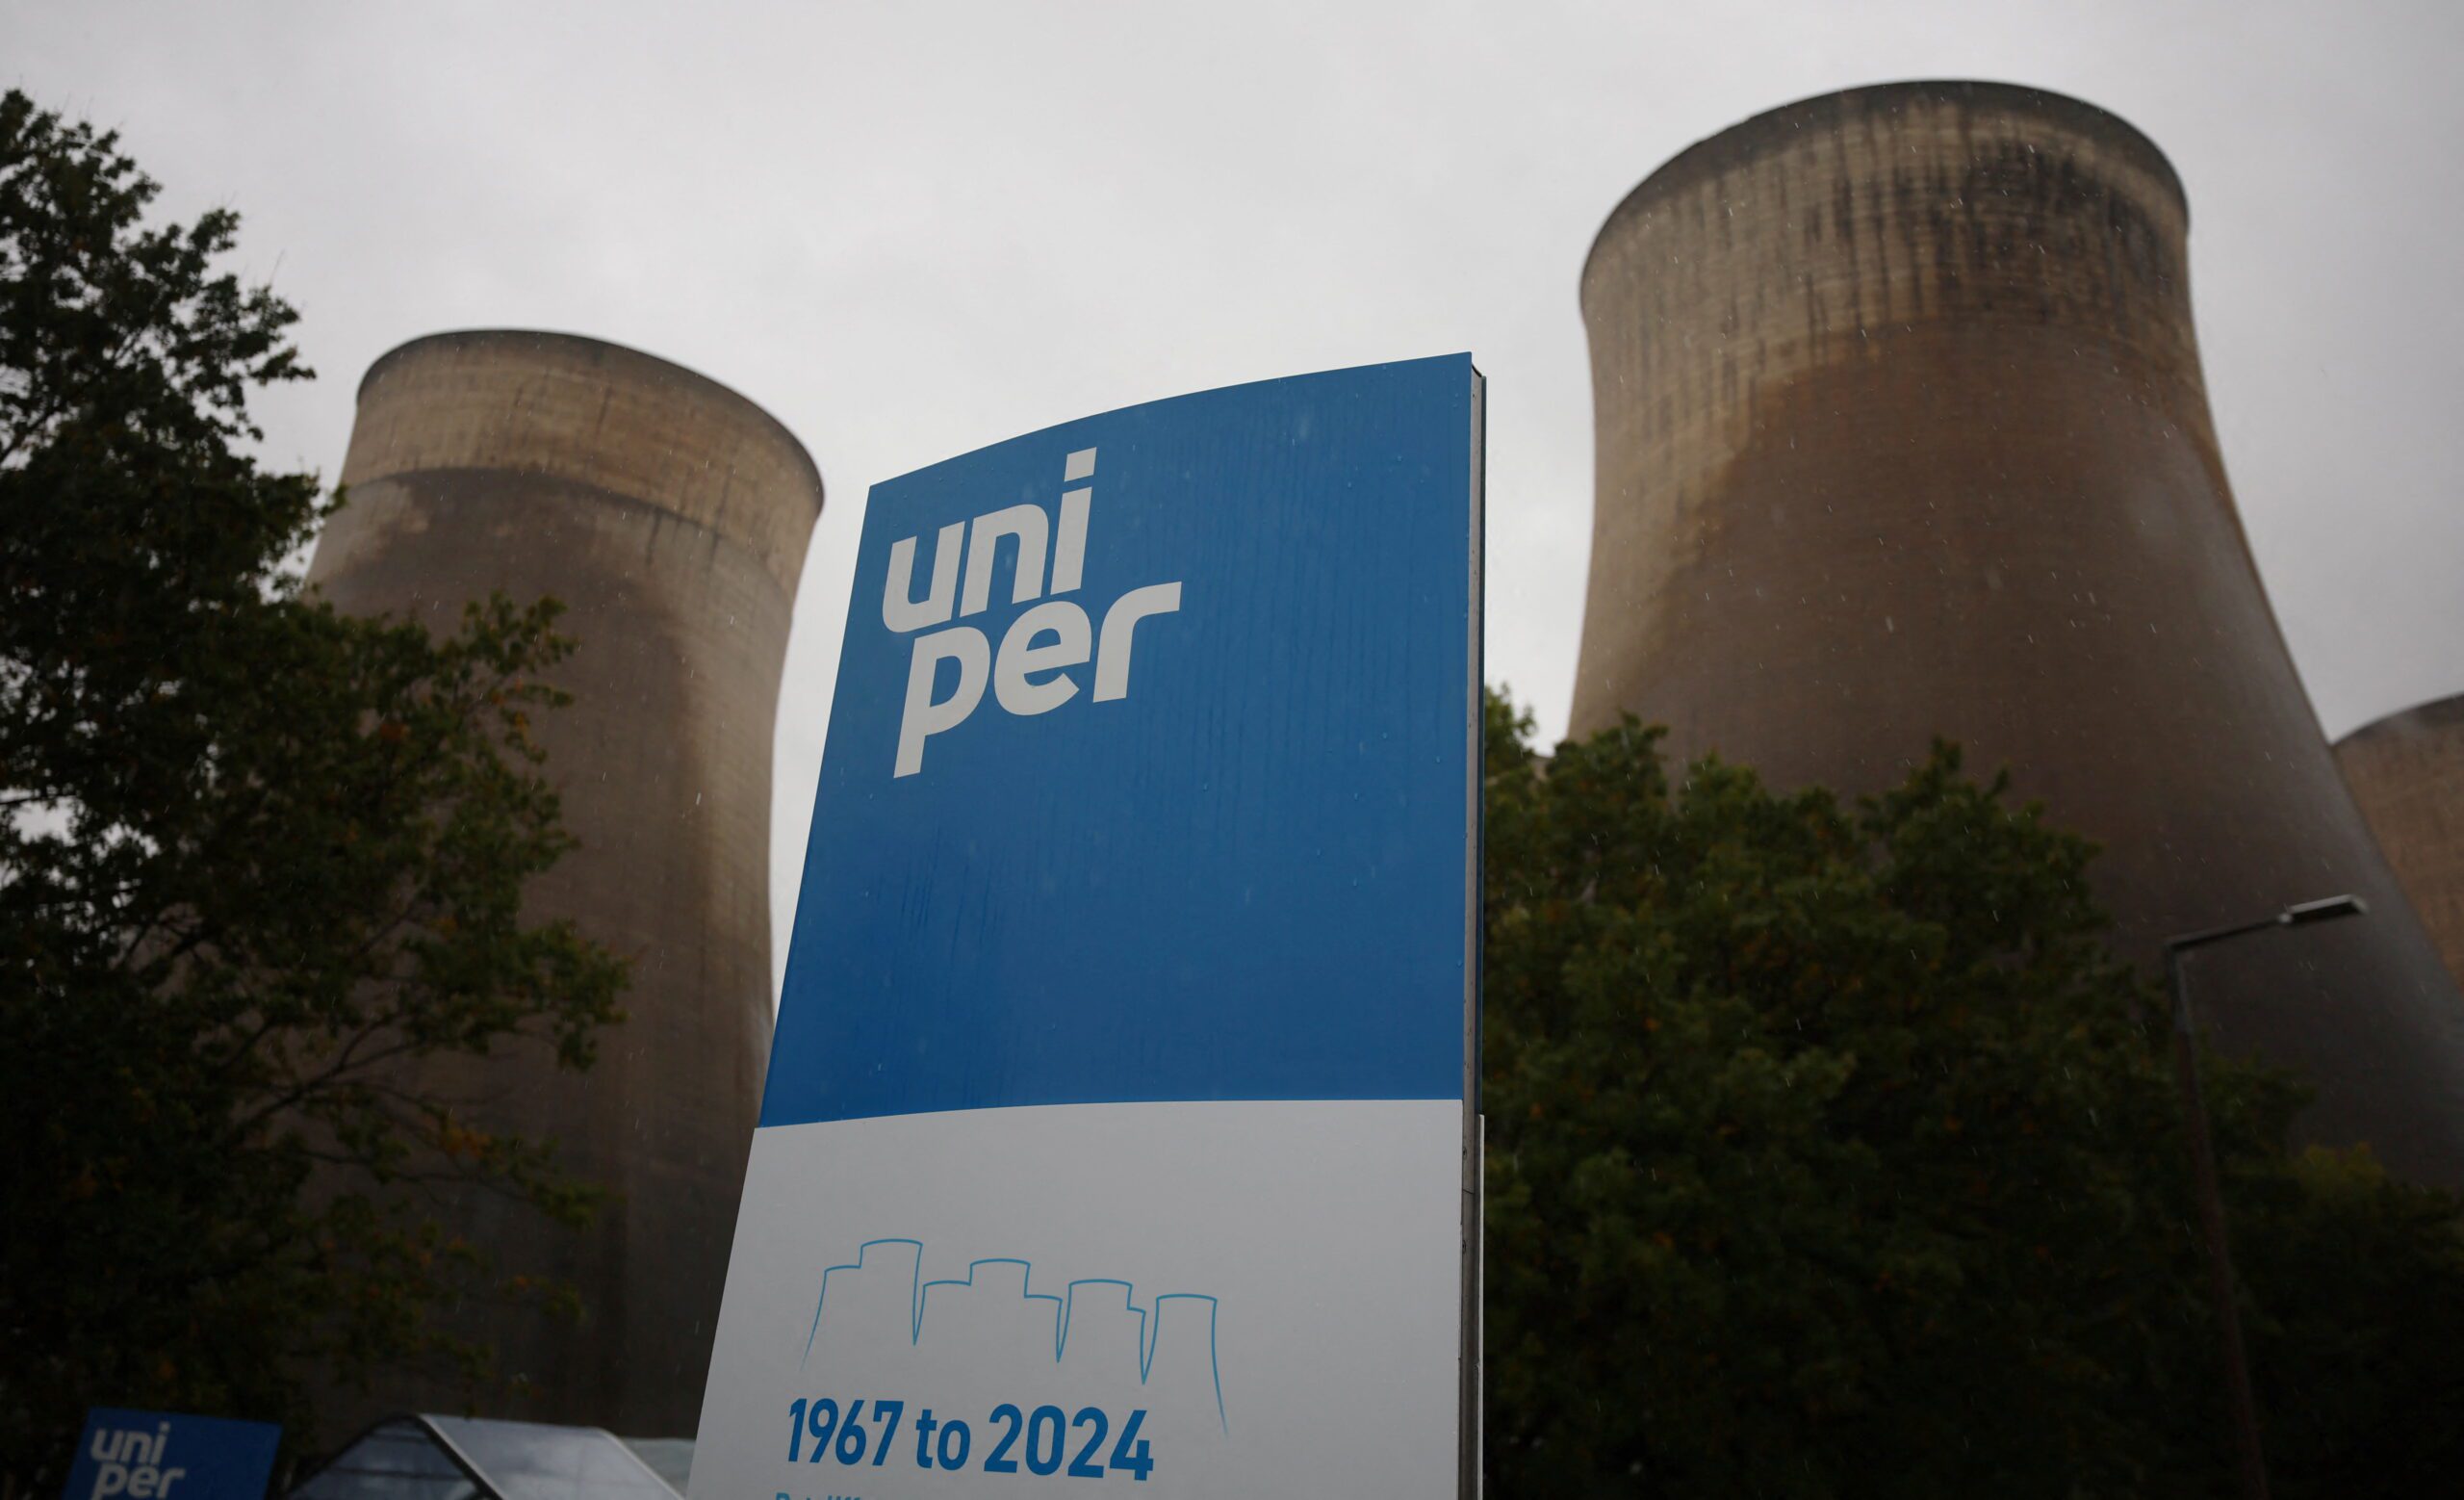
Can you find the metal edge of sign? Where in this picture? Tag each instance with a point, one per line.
(1470, 1431)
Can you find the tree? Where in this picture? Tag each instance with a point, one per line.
(255, 857)
(1829, 1153)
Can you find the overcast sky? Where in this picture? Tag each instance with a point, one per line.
(912, 229)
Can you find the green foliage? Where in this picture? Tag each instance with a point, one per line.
(255, 858)
(1831, 1154)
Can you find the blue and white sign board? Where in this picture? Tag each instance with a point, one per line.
(1118, 1134)
(170, 1455)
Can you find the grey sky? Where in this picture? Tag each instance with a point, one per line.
(912, 229)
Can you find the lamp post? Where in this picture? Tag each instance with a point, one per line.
(2211, 1203)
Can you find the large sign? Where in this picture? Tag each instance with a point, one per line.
(170, 1455)
(1118, 1137)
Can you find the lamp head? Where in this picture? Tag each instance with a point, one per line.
(2324, 909)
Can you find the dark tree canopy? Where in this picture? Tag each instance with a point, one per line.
(1831, 1154)
(254, 857)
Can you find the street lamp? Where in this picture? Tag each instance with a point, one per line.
(2211, 1203)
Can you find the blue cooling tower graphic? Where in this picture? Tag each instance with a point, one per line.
(1093, 1325)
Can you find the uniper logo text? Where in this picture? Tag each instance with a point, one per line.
(1030, 674)
(128, 1460)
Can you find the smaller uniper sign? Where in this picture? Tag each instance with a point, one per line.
(1030, 673)
(170, 1455)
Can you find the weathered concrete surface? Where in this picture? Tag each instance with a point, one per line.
(2407, 772)
(1901, 432)
(670, 516)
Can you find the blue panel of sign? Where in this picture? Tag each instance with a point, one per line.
(170, 1455)
(1146, 775)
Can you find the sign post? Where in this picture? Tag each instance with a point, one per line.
(1120, 1135)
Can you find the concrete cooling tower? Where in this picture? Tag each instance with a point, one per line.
(670, 516)
(1901, 432)
(2407, 772)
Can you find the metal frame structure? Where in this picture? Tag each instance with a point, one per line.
(482, 1487)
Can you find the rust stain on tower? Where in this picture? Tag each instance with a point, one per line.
(1901, 432)
(2407, 772)
(671, 517)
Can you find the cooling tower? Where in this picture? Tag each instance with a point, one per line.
(669, 515)
(2407, 772)
(1901, 432)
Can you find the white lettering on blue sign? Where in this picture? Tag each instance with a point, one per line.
(128, 1460)
(170, 1455)
(1030, 673)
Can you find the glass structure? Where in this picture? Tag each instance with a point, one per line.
(453, 1458)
